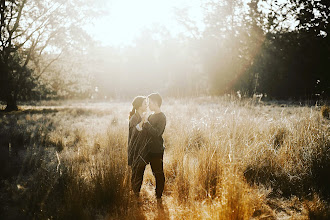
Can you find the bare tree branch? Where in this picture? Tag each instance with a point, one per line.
(11, 14)
(36, 19)
(28, 37)
(49, 64)
(17, 19)
(2, 14)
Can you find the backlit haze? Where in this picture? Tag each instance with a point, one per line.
(126, 19)
(175, 47)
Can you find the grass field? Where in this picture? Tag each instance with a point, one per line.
(224, 159)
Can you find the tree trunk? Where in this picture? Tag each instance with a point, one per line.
(11, 104)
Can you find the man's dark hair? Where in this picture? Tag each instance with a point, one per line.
(155, 97)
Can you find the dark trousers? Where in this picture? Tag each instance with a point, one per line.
(156, 163)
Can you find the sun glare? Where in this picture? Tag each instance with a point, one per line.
(127, 18)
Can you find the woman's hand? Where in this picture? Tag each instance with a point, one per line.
(141, 123)
(144, 120)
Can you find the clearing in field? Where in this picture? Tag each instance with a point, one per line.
(224, 159)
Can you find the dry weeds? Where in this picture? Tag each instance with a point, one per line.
(224, 159)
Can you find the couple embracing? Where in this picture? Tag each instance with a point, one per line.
(145, 141)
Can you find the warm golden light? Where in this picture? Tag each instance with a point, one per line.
(127, 18)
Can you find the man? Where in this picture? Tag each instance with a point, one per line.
(154, 128)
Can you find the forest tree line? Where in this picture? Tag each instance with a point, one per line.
(276, 48)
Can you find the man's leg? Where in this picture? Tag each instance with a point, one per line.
(137, 176)
(156, 163)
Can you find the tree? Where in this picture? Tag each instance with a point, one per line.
(228, 44)
(314, 36)
(293, 60)
(32, 29)
(280, 49)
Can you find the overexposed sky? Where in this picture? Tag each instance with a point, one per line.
(127, 18)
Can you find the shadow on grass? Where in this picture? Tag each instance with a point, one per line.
(29, 111)
(34, 186)
(71, 111)
(317, 180)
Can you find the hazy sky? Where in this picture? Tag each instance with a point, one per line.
(128, 17)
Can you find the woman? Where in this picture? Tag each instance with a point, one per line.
(137, 141)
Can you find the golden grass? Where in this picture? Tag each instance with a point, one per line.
(224, 159)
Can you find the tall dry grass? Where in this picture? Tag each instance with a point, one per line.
(224, 159)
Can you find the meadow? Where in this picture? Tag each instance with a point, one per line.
(225, 158)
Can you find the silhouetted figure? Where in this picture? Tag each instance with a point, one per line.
(146, 144)
(137, 140)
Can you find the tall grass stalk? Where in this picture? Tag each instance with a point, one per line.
(224, 159)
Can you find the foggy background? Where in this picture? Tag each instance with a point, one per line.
(112, 49)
